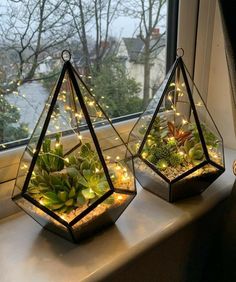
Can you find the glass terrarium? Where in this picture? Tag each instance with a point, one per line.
(76, 174)
(177, 147)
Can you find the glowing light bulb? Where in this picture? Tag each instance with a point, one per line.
(91, 103)
(184, 121)
(144, 155)
(119, 197)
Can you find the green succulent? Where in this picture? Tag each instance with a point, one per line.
(63, 186)
(209, 137)
(162, 164)
(196, 153)
(49, 159)
(162, 152)
(175, 159)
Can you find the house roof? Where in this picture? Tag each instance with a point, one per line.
(135, 47)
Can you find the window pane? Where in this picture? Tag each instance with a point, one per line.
(118, 47)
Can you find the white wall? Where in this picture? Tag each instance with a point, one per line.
(219, 99)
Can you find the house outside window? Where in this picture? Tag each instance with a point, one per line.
(118, 51)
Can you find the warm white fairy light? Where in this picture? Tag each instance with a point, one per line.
(144, 155)
(97, 170)
(125, 177)
(118, 158)
(57, 145)
(119, 197)
(67, 160)
(172, 84)
(80, 137)
(91, 103)
(184, 121)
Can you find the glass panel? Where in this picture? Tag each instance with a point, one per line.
(113, 62)
(150, 180)
(101, 216)
(173, 144)
(44, 219)
(213, 139)
(140, 128)
(194, 183)
(114, 151)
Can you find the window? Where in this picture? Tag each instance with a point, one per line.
(119, 48)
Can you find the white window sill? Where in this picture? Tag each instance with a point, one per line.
(29, 253)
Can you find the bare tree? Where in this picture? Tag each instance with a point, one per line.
(31, 29)
(97, 15)
(150, 13)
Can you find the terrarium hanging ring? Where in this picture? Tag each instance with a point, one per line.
(66, 55)
(180, 52)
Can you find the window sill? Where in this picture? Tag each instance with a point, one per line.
(30, 253)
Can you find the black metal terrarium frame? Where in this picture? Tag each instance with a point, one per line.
(177, 66)
(73, 75)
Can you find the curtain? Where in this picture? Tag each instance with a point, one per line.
(228, 16)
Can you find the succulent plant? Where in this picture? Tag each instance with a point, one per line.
(63, 186)
(51, 159)
(162, 152)
(174, 146)
(175, 159)
(162, 164)
(178, 133)
(209, 137)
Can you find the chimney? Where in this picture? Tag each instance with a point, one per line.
(104, 44)
(155, 32)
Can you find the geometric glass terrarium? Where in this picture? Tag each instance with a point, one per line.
(76, 173)
(177, 148)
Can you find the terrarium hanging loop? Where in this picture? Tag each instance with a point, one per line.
(180, 52)
(66, 55)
